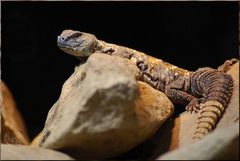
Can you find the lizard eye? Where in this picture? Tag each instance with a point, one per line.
(75, 34)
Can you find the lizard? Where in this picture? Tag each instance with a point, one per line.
(206, 90)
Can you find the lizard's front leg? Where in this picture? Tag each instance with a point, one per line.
(176, 93)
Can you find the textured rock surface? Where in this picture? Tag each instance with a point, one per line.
(13, 130)
(224, 139)
(177, 133)
(221, 144)
(103, 110)
(186, 123)
(232, 111)
(23, 152)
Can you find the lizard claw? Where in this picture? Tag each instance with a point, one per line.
(193, 106)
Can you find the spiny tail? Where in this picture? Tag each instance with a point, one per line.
(218, 93)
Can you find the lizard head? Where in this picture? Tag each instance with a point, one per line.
(77, 43)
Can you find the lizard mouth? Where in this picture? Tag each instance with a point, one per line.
(64, 45)
(63, 42)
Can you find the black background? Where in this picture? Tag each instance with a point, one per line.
(187, 34)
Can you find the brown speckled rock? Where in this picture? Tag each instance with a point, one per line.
(13, 130)
(186, 122)
(223, 142)
(103, 110)
(177, 132)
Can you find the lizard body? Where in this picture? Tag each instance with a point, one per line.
(206, 89)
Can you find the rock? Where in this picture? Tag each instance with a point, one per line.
(13, 130)
(221, 144)
(231, 114)
(23, 152)
(185, 124)
(35, 142)
(103, 110)
(177, 132)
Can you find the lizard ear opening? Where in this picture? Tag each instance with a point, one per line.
(75, 34)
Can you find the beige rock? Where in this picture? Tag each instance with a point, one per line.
(177, 132)
(13, 130)
(184, 126)
(103, 110)
(187, 121)
(221, 144)
(23, 152)
(231, 114)
(35, 142)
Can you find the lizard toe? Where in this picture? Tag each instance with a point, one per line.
(193, 106)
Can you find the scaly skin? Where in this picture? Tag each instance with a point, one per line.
(206, 89)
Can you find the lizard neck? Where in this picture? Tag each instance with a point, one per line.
(117, 50)
(104, 47)
(100, 45)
